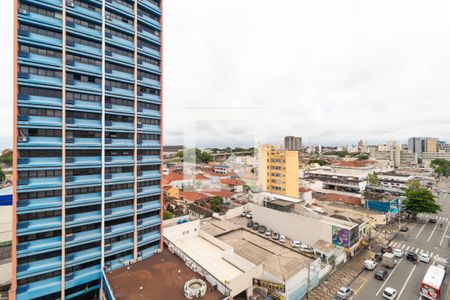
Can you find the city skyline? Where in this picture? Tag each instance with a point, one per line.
(357, 78)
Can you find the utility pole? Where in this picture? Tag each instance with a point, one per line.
(307, 287)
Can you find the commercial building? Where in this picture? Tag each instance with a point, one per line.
(87, 143)
(428, 157)
(293, 143)
(383, 203)
(395, 154)
(422, 144)
(278, 171)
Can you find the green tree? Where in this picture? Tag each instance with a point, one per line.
(420, 200)
(6, 158)
(363, 156)
(215, 203)
(413, 184)
(320, 162)
(372, 179)
(167, 215)
(2, 175)
(204, 157)
(441, 167)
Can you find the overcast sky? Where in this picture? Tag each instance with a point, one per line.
(330, 71)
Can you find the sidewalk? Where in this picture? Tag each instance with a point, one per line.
(343, 276)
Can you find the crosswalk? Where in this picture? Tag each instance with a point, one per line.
(438, 218)
(409, 248)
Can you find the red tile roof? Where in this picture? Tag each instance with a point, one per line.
(193, 196)
(341, 198)
(351, 163)
(221, 193)
(230, 181)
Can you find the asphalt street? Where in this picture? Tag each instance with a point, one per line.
(422, 236)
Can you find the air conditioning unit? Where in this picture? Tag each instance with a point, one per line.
(70, 4)
(23, 11)
(139, 258)
(22, 138)
(126, 263)
(108, 17)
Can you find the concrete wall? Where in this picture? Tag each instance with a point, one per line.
(231, 213)
(181, 231)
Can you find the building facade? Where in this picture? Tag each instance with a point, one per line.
(293, 143)
(278, 171)
(87, 143)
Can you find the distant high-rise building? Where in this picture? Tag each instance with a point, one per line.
(293, 143)
(87, 143)
(278, 171)
(418, 145)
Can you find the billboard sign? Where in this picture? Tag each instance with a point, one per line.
(341, 236)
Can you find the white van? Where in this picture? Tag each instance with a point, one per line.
(370, 264)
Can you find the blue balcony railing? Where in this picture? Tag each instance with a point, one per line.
(119, 125)
(149, 175)
(79, 104)
(119, 177)
(83, 123)
(39, 225)
(119, 41)
(38, 162)
(120, 25)
(77, 66)
(119, 108)
(38, 267)
(149, 159)
(149, 66)
(83, 48)
(149, 35)
(112, 56)
(149, 21)
(120, 7)
(125, 143)
(119, 246)
(149, 143)
(149, 237)
(83, 180)
(82, 30)
(149, 206)
(38, 141)
(83, 237)
(119, 92)
(117, 212)
(119, 75)
(40, 59)
(80, 257)
(119, 229)
(81, 199)
(119, 195)
(93, 161)
(149, 112)
(119, 160)
(149, 128)
(83, 218)
(150, 82)
(39, 204)
(40, 39)
(150, 5)
(149, 97)
(39, 121)
(39, 79)
(149, 51)
(39, 246)
(39, 288)
(149, 190)
(37, 19)
(83, 276)
(148, 222)
(84, 142)
(39, 100)
(39, 183)
(78, 10)
(76, 84)
(148, 252)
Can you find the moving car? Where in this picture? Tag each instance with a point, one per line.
(295, 244)
(389, 293)
(381, 274)
(378, 256)
(370, 264)
(282, 238)
(305, 248)
(398, 253)
(250, 224)
(411, 256)
(432, 220)
(275, 236)
(255, 226)
(344, 292)
(404, 229)
(389, 260)
(424, 257)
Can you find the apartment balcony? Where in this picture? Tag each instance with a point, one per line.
(113, 125)
(119, 212)
(38, 19)
(39, 288)
(146, 253)
(149, 238)
(83, 123)
(148, 66)
(83, 276)
(77, 258)
(87, 105)
(119, 195)
(146, 175)
(83, 68)
(79, 161)
(39, 225)
(119, 177)
(149, 159)
(24, 35)
(39, 204)
(39, 80)
(119, 25)
(149, 36)
(119, 108)
(144, 50)
(114, 57)
(38, 162)
(120, 42)
(149, 21)
(152, 144)
(118, 75)
(82, 180)
(83, 199)
(149, 98)
(40, 59)
(149, 128)
(119, 229)
(118, 247)
(54, 3)
(39, 141)
(122, 160)
(149, 112)
(84, 12)
(119, 262)
(85, 86)
(149, 190)
(119, 143)
(83, 218)
(39, 183)
(148, 206)
(39, 246)
(113, 91)
(38, 121)
(119, 7)
(84, 142)
(83, 237)
(82, 30)
(150, 5)
(149, 82)
(39, 100)
(87, 290)
(148, 222)
(38, 267)
(80, 48)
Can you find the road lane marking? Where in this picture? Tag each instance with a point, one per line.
(406, 282)
(445, 232)
(403, 246)
(432, 232)
(420, 230)
(387, 279)
(407, 248)
(357, 290)
(417, 250)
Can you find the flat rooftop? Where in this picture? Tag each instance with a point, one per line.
(281, 261)
(158, 275)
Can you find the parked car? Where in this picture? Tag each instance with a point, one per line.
(282, 238)
(262, 229)
(268, 232)
(344, 292)
(244, 213)
(404, 229)
(385, 249)
(389, 293)
(381, 274)
(370, 264)
(250, 224)
(255, 226)
(249, 215)
(295, 244)
(411, 256)
(432, 220)
(424, 257)
(305, 248)
(398, 253)
(275, 236)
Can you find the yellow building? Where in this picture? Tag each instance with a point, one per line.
(278, 171)
(431, 145)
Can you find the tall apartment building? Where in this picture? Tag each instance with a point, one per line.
(422, 144)
(293, 143)
(278, 171)
(87, 143)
